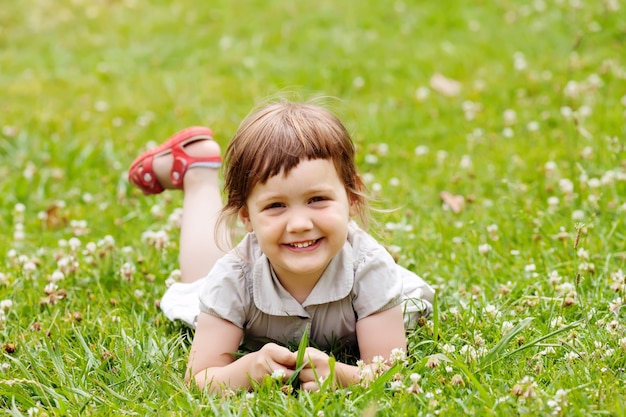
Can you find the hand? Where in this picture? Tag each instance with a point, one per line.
(270, 359)
(316, 369)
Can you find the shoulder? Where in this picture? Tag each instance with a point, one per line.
(366, 250)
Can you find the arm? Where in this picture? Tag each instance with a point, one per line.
(377, 335)
(212, 363)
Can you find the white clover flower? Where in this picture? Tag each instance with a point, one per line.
(29, 267)
(583, 253)
(74, 243)
(108, 241)
(376, 187)
(519, 61)
(530, 268)
(5, 366)
(556, 322)
(397, 356)
(594, 183)
(510, 117)
(508, 132)
(448, 348)
(422, 93)
(553, 202)
(554, 277)
(127, 270)
(507, 326)
(572, 356)
(533, 126)
(79, 227)
(371, 159)
(396, 385)
(578, 215)
(566, 185)
(175, 218)
(50, 288)
(394, 182)
(368, 177)
(6, 305)
(466, 162)
(441, 156)
(484, 248)
(491, 310)
(421, 150)
(469, 352)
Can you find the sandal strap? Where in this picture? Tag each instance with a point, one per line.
(145, 178)
(183, 161)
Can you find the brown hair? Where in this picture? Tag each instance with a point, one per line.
(275, 139)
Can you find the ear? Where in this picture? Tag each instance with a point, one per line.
(354, 207)
(244, 216)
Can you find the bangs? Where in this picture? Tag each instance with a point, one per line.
(281, 139)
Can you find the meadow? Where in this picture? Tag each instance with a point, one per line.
(491, 135)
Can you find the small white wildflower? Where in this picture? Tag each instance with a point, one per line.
(509, 116)
(507, 326)
(371, 159)
(6, 305)
(533, 126)
(484, 248)
(50, 288)
(421, 150)
(553, 202)
(397, 385)
(127, 270)
(448, 348)
(583, 253)
(508, 132)
(578, 215)
(422, 93)
(466, 162)
(571, 356)
(554, 277)
(397, 356)
(566, 185)
(530, 268)
(556, 321)
(394, 182)
(74, 243)
(139, 293)
(29, 267)
(5, 366)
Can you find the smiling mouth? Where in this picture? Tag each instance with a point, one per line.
(301, 245)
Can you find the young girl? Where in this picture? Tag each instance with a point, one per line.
(304, 264)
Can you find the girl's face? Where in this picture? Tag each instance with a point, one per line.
(300, 220)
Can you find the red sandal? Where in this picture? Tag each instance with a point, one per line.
(142, 175)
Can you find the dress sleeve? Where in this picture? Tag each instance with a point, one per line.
(225, 293)
(377, 285)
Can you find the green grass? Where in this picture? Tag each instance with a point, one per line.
(85, 85)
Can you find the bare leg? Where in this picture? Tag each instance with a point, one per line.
(201, 205)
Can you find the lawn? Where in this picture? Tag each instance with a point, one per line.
(515, 109)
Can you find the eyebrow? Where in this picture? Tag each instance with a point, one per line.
(272, 196)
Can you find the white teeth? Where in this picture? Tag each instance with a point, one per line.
(303, 244)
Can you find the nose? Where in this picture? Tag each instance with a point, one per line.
(299, 220)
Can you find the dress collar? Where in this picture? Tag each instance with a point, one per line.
(272, 298)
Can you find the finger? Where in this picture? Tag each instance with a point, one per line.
(310, 386)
